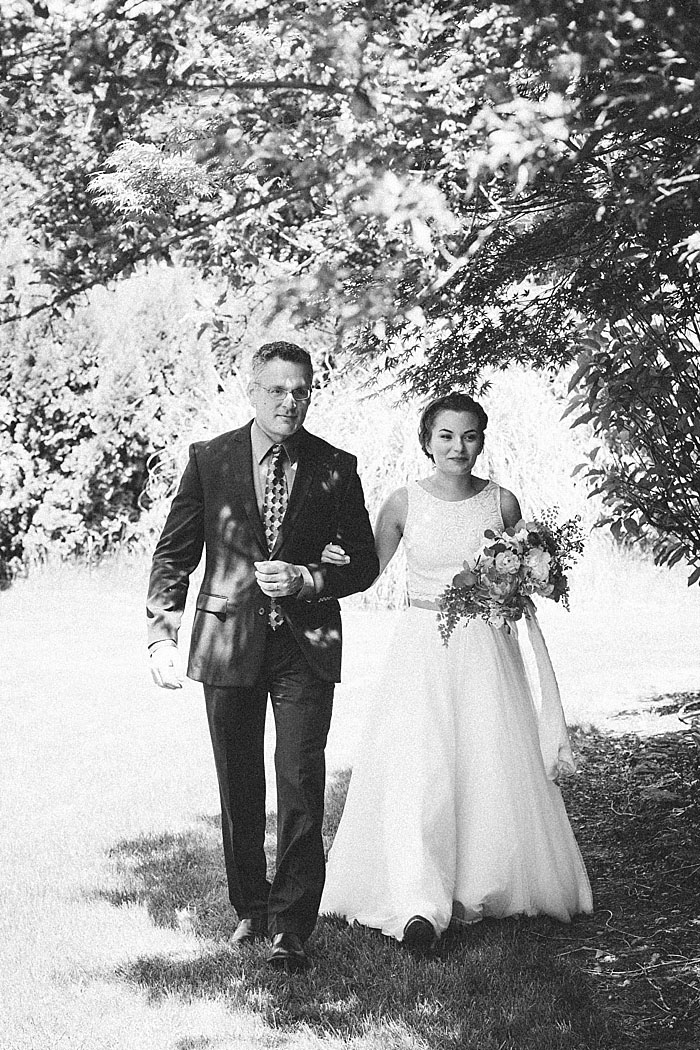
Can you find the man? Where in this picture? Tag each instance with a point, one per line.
(262, 502)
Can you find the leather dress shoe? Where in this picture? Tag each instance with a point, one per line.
(419, 934)
(250, 930)
(287, 952)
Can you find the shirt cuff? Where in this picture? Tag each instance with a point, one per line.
(308, 590)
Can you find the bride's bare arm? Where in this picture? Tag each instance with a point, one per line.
(389, 526)
(388, 531)
(510, 509)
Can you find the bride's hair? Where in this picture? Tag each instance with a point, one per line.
(454, 402)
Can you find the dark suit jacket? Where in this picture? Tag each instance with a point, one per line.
(215, 509)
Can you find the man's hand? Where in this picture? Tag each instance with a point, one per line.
(166, 666)
(333, 554)
(277, 579)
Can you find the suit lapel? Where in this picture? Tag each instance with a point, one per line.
(242, 458)
(306, 468)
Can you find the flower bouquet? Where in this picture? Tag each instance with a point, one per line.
(496, 583)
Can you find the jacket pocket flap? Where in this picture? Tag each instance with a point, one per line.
(213, 603)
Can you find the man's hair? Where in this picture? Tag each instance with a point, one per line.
(454, 402)
(284, 352)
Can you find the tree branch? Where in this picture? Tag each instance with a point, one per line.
(261, 85)
(143, 255)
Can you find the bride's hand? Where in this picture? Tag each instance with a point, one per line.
(333, 554)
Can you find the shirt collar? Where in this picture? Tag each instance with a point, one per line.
(262, 444)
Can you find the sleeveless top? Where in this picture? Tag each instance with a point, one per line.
(439, 535)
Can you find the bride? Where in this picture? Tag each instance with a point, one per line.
(453, 812)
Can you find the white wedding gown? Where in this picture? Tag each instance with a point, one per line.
(452, 812)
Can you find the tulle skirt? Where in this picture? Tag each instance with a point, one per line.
(450, 812)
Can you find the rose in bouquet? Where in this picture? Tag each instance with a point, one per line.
(498, 581)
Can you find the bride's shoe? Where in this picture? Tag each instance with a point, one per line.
(419, 934)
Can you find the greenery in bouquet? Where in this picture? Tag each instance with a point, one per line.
(497, 583)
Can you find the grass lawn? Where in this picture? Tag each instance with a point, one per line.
(114, 922)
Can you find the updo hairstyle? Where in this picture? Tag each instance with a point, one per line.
(454, 402)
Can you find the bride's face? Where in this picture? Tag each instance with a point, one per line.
(455, 442)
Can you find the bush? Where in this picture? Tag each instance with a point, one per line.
(88, 405)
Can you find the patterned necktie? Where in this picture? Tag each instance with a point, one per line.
(274, 506)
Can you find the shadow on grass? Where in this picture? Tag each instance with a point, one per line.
(627, 976)
(498, 985)
(179, 878)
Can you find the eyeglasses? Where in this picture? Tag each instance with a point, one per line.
(279, 393)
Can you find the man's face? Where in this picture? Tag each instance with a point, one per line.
(270, 393)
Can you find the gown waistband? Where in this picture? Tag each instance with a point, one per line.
(423, 603)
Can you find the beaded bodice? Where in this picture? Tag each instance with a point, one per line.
(439, 535)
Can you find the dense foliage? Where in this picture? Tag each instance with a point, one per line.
(86, 408)
(461, 185)
(637, 387)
